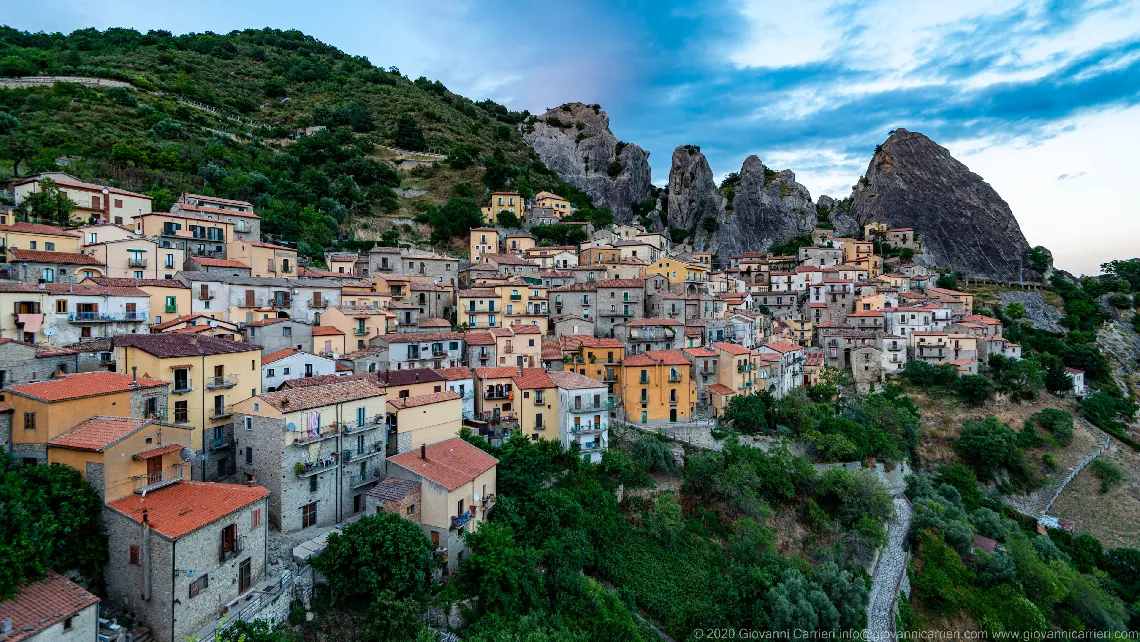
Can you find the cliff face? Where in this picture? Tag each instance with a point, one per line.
(575, 141)
(768, 207)
(963, 224)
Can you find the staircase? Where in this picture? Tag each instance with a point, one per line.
(1038, 504)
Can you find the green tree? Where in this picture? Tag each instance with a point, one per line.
(381, 552)
(394, 619)
(947, 281)
(1109, 474)
(652, 454)
(1015, 311)
(507, 218)
(48, 203)
(987, 446)
(408, 135)
(1040, 259)
(501, 572)
(974, 389)
(8, 123)
(53, 520)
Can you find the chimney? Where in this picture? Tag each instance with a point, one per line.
(252, 481)
(135, 375)
(193, 340)
(423, 451)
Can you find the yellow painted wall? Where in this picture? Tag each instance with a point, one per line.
(264, 261)
(658, 387)
(54, 419)
(430, 423)
(119, 464)
(528, 411)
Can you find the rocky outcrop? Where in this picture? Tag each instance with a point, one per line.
(963, 223)
(769, 207)
(693, 198)
(575, 141)
(1120, 344)
(843, 223)
(1042, 315)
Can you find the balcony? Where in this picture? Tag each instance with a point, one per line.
(675, 378)
(360, 332)
(516, 297)
(610, 377)
(591, 447)
(284, 302)
(303, 438)
(172, 309)
(230, 550)
(225, 381)
(616, 313)
(372, 475)
(348, 454)
(221, 443)
(461, 520)
(181, 388)
(592, 407)
(308, 469)
(137, 262)
(497, 394)
(318, 304)
(209, 296)
(154, 481)
(509, 350)
(221, 412)
(352, 428)
(438, 354)
(586, 429)
(106, 317)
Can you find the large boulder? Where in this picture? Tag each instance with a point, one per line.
(964, 225)
(575, 141)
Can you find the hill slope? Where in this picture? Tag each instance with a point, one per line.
(260, 87)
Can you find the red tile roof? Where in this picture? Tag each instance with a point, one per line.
(422, 337)
(216, 199)
(43, 256)
(574, 381)
(168, 345)
(533, 379)
(719, 389)
(97, 433)
(158, 452)
(454, 374)
(572, 341)
(78, 289)
(503, 372)
(782, 346)
(661, 357)
(87, 384)
(185, 507)
(270, 246)
(326, 331)
(206, 261)
(217, 210)
(39, 605)
(424, 400)
(119, 282)
(341, 390)
(551, 350)
(281, 354)
(732, 348)
(450, 463)
(37, 228)
(700, 352)
(479, 338)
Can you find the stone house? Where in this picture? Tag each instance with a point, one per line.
(644, 335)
(481, 349)
(247, 224)
(444, 270)
(229, 267)
(457, 490)
(706, 370)
(180, 556)
(866, 369)
(572, 326)
(512, 265)
(432, 300)
(893, 350)
(382, 260)
(283, 365)
(317, 449)
(33, 266)
(23, 362)
(276, 334)
(618, 301)
(839, 343)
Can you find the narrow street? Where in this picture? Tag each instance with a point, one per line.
(888, 575)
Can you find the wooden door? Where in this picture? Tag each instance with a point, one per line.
(245, 576)
(153, 469)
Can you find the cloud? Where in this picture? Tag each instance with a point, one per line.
(1069, 177)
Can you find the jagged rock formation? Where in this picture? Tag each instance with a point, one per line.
(694, 197)
(963, 223)
(1120, 343)
(1041, 314)
(575, 141)
(768, 208)
(843, 223)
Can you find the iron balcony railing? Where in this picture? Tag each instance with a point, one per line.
(461, 520)
(208, 296)
(137, 263)
(221, 443)
(303, 438)
(586, 429)
(220, 412)
(308, 469)
(592, 407)
(360, 331)
(106, 317)
(371, 475)
(154, 481)
(348, 454)
(223, 381)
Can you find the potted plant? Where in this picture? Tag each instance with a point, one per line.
(298, 468)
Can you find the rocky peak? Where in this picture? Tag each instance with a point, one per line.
(575, 141)
(693, 194)
(769, 207)
(964, 225)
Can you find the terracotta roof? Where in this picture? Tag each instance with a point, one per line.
(478, 294)
(433, 322)
(647, 322)
(206, 261)
(342, 367)
(216, 199)
(502, 372)
(186, 506)
(981, 318)
(700, 352)
(216, 210)
(719, 389)
(46, 350)
(1074, 371)
(158, 452)
(508, 259)
(318, 274)
(946, 291)
(665, 357)
(551, 350)
(449, 463)
(266, 321)
(304, 398)
(533, 379)
(732, 348)
(479, 338)
(281, 354)
(42, 256)
(574, 381)
(168, 345)
(867, 313)
(422, 337)
(119, 282)
(78, 289)
(393, 489)
(456, 373)
(37, 228)
(621, 283)
(270, 246)
(326, 331)
(97, 433)
(39, 605)
(87, 384)
(424, 400)
(408, 377)
(322, 380)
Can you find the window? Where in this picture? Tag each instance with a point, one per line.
(47, 274)
(61, 306)
(181, 412)
(181, 380)
(309, 514)
(49, 246)
(31, 245)
(270, 373)
(92, 238)
(29, 421)
(256, 518)
(411, 509)
(170, 260)
(313, 484)
(67, 624)
(287, 331)
(248, 455)
(133, 552)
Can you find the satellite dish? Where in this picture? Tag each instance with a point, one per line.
(213, 324)
(49, 332)
(106, 191)
(188, 454)
(476, 495)
(335, 356)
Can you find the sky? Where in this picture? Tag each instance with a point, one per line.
(1039, 97)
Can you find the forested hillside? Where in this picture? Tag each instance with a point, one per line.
(261, 87)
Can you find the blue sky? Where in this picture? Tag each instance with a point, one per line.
(1039, 97)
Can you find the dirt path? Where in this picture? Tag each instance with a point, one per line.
(888, 577)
